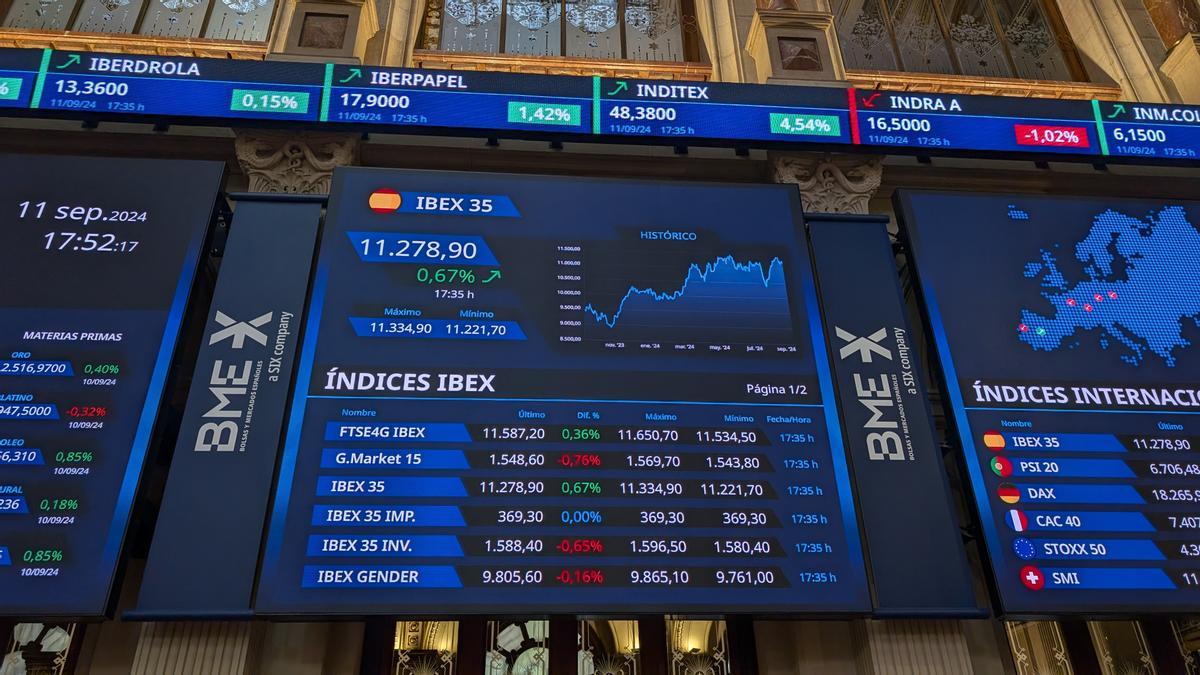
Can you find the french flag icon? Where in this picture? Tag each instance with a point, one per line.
(1017, 520)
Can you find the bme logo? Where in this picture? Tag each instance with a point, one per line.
(240, 330)
(875, 394)
(227, 382)
(863, 346)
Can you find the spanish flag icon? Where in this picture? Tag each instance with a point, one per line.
(994, 440)
(1002, 466)
(384, 200)
(1008, 493)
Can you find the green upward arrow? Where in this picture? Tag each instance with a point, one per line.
(621, 86)
(71, 60)
(355, 73)
(1117, 110)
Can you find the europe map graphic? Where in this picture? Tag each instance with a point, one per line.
(1142, 285)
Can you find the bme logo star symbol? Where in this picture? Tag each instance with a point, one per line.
(240, 330)
(863, 346)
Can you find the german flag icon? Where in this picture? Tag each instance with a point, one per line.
(1008, 493)
(994, 440)
(384, 200)
(1002, 466)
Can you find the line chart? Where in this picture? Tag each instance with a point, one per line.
(720, 266)
(725, 300)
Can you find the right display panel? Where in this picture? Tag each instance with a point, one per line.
(1065, 329)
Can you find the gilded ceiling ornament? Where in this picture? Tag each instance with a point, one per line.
(244, 7)
(1028, 37)
(592, 17)
(472, 14)
(179, 5)
(868, 31)
(652, 18)
(921, 37)
(975, 36)
(534, 14)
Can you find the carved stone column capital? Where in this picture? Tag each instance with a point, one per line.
(831, 183)
(299, 163)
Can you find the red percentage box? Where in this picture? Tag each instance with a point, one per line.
(1043, 135)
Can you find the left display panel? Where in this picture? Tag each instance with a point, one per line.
(97, 258)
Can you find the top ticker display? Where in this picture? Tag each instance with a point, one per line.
(396, 100)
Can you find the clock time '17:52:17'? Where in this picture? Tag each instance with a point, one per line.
(83, 216)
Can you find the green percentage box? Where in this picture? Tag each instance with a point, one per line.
(558, 114)
(10, 88)
(805, 125)
(255, 100)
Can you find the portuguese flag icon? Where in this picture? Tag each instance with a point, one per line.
(1002, 466)
(994, 440)
(1008, 493)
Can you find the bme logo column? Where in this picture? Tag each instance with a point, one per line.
(229, 382)
(874, 393)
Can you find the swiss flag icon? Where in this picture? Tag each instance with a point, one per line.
(1033, 578)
